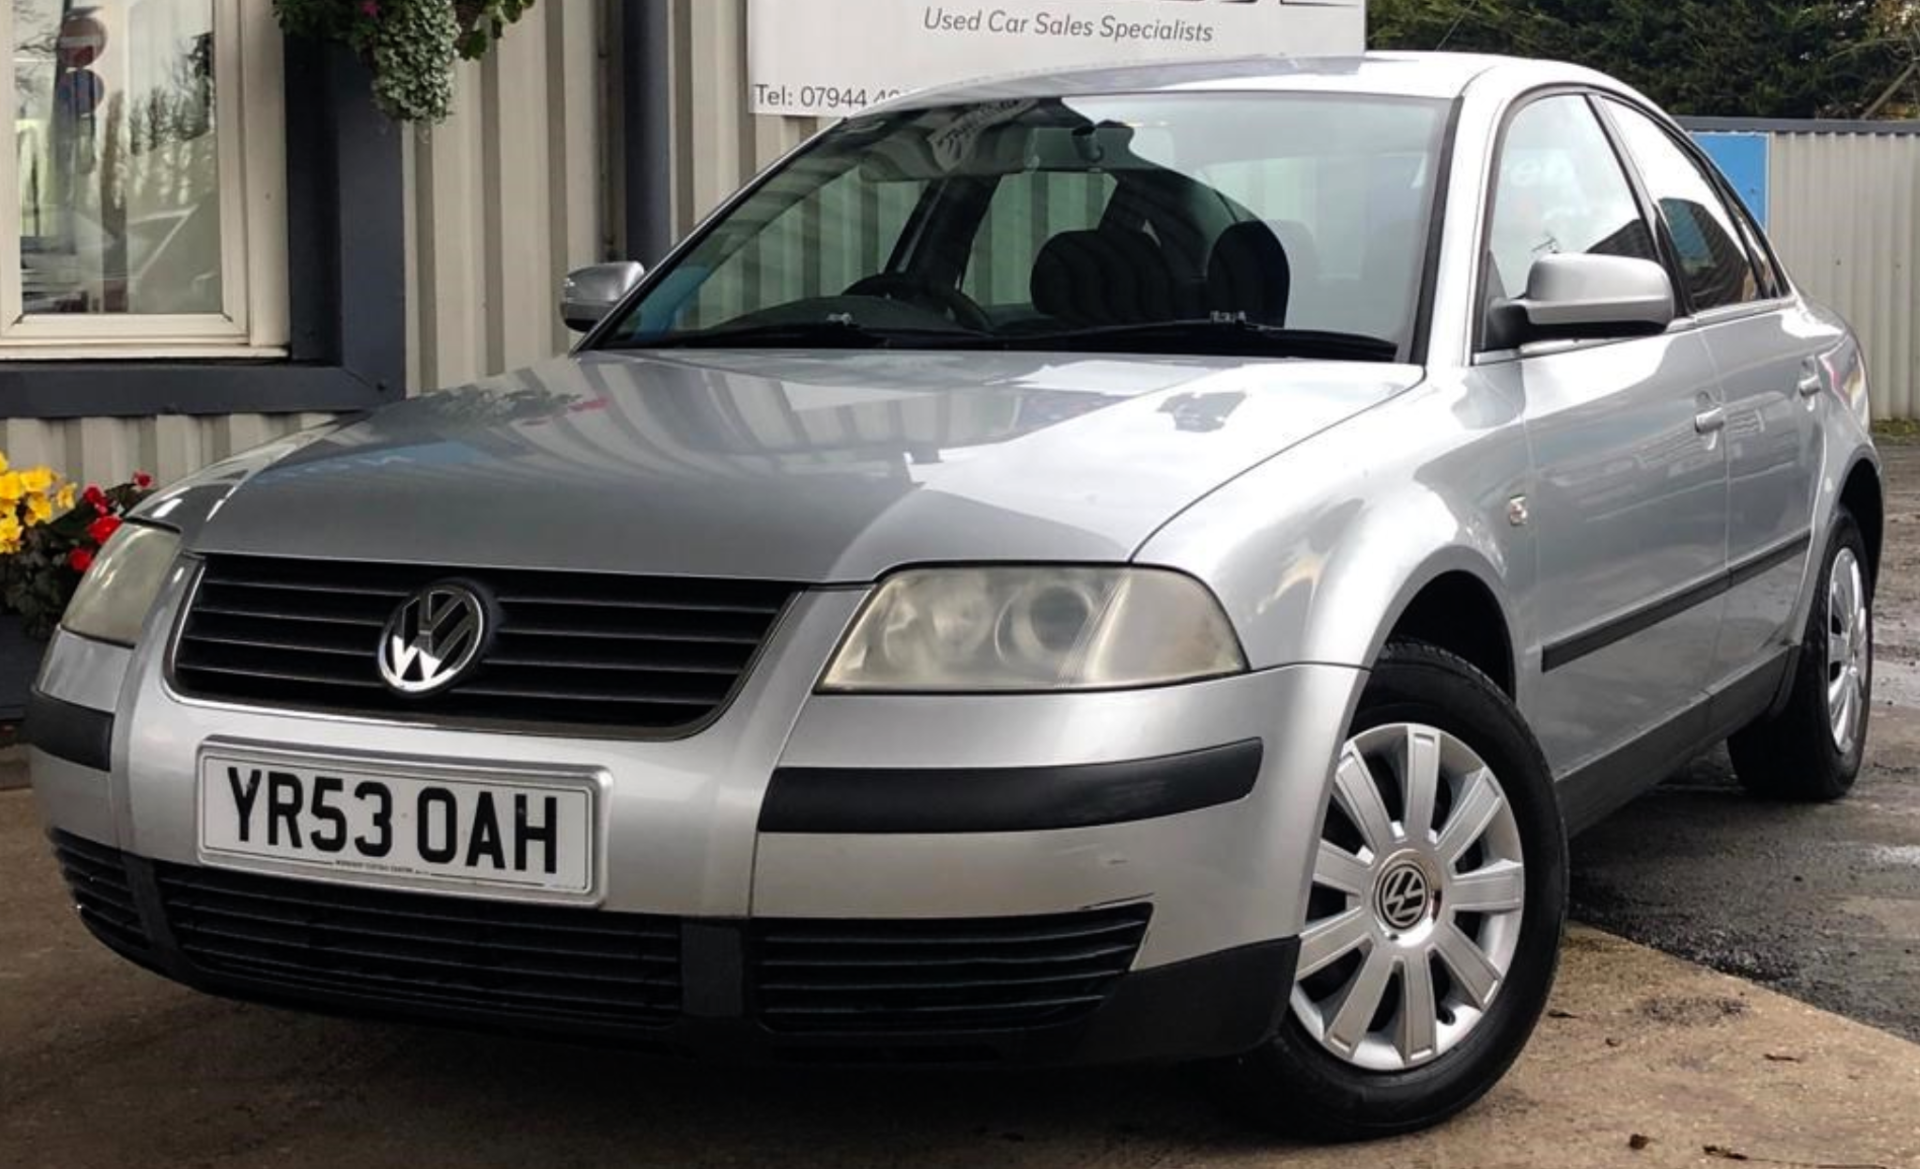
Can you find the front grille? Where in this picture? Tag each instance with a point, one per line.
(940, 976)
(101, 891)
(532, 962)
(648, 654)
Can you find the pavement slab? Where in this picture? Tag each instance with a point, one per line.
(104, 1065)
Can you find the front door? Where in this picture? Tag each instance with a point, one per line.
(1628, 500)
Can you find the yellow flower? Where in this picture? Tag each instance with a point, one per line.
(9, 532)
(3, 464)
(39, 509)
(64, 500)
(39, 479)
(11, 489)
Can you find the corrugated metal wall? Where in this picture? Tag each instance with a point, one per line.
(110, 450)
(1846, 220)
(502, 200)
(509, 194)
(718, 145)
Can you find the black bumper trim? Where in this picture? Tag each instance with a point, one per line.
(1210, 1007)
(823, 800)
(78, 734)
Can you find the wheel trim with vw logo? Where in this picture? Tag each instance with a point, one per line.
(1418, 888)
(1849, 649)
(433, 639)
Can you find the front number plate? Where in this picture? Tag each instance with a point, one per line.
(447, 830)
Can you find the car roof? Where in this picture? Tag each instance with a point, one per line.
(1428, 75)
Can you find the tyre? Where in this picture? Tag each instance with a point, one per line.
(1433, 932)
(1811, 750)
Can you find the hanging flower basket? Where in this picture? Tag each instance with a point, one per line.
(411, 46)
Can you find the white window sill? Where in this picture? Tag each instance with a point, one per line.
(138, 352)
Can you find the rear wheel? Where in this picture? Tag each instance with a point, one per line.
(1811, 750)
(1439, 893)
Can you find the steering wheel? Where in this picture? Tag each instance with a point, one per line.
(961, 308)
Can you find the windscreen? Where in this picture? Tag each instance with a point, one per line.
(1161, 222)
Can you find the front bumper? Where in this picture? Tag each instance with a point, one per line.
(718, 1004)
(702, 846)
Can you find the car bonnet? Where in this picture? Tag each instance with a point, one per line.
(802, 466)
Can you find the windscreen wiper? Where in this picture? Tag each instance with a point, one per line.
(1224, 335)
(830, 333)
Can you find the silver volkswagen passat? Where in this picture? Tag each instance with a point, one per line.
(1120, 565)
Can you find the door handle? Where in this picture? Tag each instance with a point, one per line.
(1710, 421)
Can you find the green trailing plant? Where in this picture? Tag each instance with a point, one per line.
(411, 46)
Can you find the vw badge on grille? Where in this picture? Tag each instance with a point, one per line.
(433, 639)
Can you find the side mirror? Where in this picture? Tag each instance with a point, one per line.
(1580, 297)
(588, 294)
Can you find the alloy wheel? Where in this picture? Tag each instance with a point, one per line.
(1418, 888)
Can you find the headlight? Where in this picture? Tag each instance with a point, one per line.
(1004, 629)
(113, 598)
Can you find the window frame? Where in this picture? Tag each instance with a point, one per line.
(1481, 306)
(1773, 292)
(1759, 247)
(250, 125)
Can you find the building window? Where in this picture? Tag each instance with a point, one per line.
(144, 208)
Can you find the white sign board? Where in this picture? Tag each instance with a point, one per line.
(832, 57)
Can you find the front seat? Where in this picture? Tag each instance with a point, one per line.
(1249, 274)
(1107, 276)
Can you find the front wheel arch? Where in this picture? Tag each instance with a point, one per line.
(1864, 498)
(1293, 1082)
(1458, 612)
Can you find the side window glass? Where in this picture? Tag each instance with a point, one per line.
(1713, 262)
(1559, 189)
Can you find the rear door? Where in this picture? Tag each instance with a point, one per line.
(1764, 347)
(1629, 496)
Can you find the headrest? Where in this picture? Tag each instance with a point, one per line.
(1109, 276)
(1249, 274)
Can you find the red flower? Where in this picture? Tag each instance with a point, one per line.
(370, 9)
(102, 529)
(96, 497)
(80, 559)
(142, 480)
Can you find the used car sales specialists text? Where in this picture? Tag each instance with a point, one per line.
(939, 18)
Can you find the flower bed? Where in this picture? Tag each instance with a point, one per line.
(50, 531)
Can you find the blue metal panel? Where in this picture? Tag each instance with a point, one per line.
(1744, 159)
